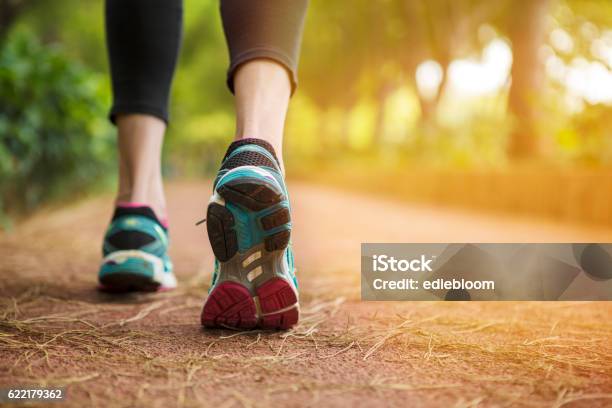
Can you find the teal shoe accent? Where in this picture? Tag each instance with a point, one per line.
(135, 251)
(249, 227)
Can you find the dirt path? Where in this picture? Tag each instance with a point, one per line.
(149, 350)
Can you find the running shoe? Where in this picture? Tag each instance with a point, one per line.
(135, 252)
(249, 226)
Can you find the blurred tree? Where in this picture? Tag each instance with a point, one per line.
(331, 61)
(527, 30)
(440, 30)
(355, 58)
(369, 50)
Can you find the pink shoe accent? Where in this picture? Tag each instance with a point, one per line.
(229, 305)
(276, 295)
(129, 204)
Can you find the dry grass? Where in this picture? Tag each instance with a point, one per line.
(88, 346)
(149, 350)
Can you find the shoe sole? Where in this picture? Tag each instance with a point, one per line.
(134, 271)
(252, 291)
(126, 281)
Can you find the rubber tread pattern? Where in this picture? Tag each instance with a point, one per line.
(223, 239)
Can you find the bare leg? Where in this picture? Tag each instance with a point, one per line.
(262, 88)
(140, 146)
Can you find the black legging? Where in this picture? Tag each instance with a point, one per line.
(144, 37)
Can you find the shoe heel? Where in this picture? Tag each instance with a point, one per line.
(251, 194)
(229, 305)
(250, 187)
(279, 304)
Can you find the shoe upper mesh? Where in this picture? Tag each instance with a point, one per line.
(247, 158)
(250, 141)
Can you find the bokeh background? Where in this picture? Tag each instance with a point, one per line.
(426, 117)
(489, 105)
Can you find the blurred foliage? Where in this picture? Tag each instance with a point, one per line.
(201, 108)
(53, 131)
(588, 137)
(359, 93)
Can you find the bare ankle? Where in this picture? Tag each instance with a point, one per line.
(140, 140)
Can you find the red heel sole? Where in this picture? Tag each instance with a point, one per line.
(278, 303)
(230, 305)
